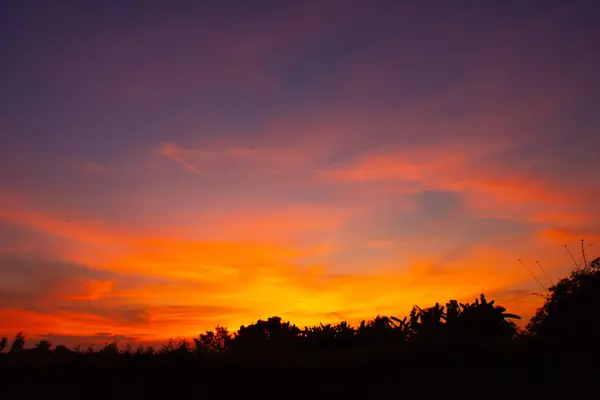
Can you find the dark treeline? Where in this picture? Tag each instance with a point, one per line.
(438, 348)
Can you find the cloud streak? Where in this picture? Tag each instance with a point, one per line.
(94, 167)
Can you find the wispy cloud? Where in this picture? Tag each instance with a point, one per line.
(245, 161)
(95, 167)
(180, 155)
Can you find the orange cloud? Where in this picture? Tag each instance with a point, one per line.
(381, 167)
(276, 224)
(232, 283)
(16, 211)
(36, 324)
(94, 290)
(566, 235)
(488, 188)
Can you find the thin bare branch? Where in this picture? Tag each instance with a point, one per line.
(534, 277)
(544, 272)
(572, 258)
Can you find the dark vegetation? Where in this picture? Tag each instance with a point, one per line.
(450, 349)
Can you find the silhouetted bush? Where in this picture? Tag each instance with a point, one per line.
(570, 311)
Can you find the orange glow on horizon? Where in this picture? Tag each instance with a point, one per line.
(185, 286)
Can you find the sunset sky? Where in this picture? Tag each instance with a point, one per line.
(167, 166)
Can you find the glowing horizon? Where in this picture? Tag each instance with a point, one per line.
(166, 171)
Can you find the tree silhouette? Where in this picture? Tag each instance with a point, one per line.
(270, 332)
(383, 328)
(426, 323)
(570, 311)
(480, 319)
(110, 348)
(216, 341)
(342, 334)
(3, 344)
(43, 346)
(143, 351)
(18, 343)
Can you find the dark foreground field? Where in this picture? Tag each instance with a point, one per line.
(530, 370)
